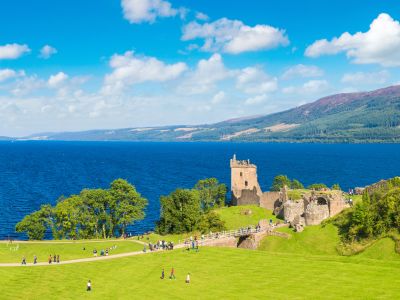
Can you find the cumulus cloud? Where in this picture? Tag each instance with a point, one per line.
(233, 36)
(139, 11)
(206, 74)
(379, 45)
(57, 80)
(129, 69)
(310, 87)
(218, 97)
(6, 74)
(256, 99)
(360, 78)
(201, 16)
(47, 51)
(13, 51)
(302, 71)
(253, 80)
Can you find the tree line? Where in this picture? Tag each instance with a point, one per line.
(94, 213)
(280, 181)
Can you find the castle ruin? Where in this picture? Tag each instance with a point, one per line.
(311, 209)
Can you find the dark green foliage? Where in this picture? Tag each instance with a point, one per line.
(191, 210)
(296, 185)
(279, 182)
(317, 186)
(212, 194)
(336, 187)
(376, 215)
(91, 214)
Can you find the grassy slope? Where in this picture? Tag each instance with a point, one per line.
(235, 218)
(66, 250)
(215, 272)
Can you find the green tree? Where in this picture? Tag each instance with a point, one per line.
(180, 212)
(296, 185)
(279, 182)
(36, 223)
(211, 221)
(212, 194)
(127, 205)
(317, 186)
(336, 187)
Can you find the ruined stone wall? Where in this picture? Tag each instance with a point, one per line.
(292, 209)
(247, 197)
(315, 213)
(268, 200)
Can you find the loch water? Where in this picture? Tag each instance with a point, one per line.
(37, 172)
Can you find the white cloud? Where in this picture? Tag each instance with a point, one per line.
(360, 78)
(57, 80)
(207, 73)
(218, 97)
(6, 74)
(310, 87)
(256, 99)
(379, 45)
(233, 36)
(302, 71)
(129, 69)
(253, 80)
(47, 51)
(26, 85)
(13, 51)
(201, 16)
(138, 11)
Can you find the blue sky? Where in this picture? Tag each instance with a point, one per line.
(76, 65)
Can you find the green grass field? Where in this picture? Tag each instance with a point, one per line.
(305, 266)
(67, 250)
(215, 273)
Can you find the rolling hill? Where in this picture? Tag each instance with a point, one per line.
(363, 117)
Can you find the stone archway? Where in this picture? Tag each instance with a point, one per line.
(322, 201)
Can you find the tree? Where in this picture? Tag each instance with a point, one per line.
(36, 223)
(211, 221)
(180, 212)
(296, 185)
(127, 205)
(212, 194)
(279, 182)
(336, 187)
(317, 186)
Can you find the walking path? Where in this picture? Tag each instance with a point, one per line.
(207, 241)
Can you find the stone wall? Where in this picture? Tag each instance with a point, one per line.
(292, 209)
(247, 197)
(268, 200)
(315, 213)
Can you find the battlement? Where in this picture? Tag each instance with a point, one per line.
(241, 163)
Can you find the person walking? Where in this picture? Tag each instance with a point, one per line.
(23, 261)
(35, 260)
(187, 278)
(172, 275)
(58, 258)
(89, 286)
(49, 259)
(162, 274)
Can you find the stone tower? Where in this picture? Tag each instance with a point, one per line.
(244, 183)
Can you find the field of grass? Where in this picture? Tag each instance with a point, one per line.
(67, 249)
(215, 273)
(235, 216)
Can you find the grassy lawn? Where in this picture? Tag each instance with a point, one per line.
(67, 250)
(235, 216)
(215, 273)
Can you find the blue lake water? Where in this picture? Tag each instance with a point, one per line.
(33, 172)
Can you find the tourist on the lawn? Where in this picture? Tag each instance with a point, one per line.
(187, 278)
(162, 274)
(89, 286)
(172, 274)
(35, 260)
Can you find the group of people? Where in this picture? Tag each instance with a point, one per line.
(104, 252)
(54, 259)
(172, 275)
(160, 245)
(192, 243)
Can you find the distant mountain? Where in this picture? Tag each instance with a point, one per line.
(363, 117)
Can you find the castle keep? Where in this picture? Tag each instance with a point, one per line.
(311, 209)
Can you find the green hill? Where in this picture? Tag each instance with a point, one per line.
(363, 117)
